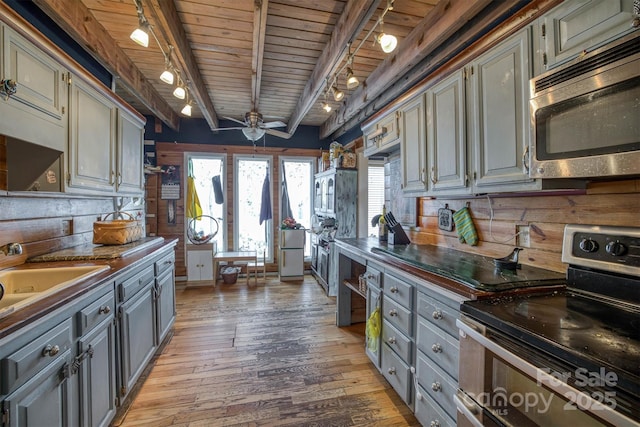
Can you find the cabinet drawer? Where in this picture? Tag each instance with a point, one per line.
(398, 290)
(374, 277)
(397, 341)
(95, 312)
(397, 373)
(397, 315)
(166, 262)
(440, 347)
(18, 367)
(438, 313)
(437, 384)
(429, 413)
(129, 287)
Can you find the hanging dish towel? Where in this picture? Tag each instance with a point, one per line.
(194, 209)
(464, 226)
(372, 330)
(265, 207)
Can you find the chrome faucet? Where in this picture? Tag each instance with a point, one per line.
(11, 249)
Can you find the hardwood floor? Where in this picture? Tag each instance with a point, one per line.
(269, 355)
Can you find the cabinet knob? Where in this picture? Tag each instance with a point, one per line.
(393, 312)
(393, 290)
(392, 340)
(392, 371)
(105, 309)
(436, 348)
(436, 386)
(437, 314)
(50, 350)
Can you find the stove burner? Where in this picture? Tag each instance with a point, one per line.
(559, 317)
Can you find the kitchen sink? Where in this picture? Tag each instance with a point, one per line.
(25, 287)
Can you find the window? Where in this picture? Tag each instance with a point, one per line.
(250, 173)
(375, 194)
(297, 173)
(205, 168)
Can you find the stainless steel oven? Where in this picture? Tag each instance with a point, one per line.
(585, 116)
(570, 357)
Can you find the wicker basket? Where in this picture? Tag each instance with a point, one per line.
(117, 231)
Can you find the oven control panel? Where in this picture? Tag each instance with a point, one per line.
(615, 249)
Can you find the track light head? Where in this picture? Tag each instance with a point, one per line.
(387, 42)
(326, 107)
(352, 80)
(179, 92)
(337, 93)
(141, 34)
(186, 110)
(167, 76)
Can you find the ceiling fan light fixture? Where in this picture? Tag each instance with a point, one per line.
(337, 93)
(352, 80)
(253, 134)
(179, 92)
(387, 42)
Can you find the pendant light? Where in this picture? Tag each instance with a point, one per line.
(186, 110)
(167, 75)
(179, 92)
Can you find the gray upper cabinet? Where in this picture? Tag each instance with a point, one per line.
(498, 115)
(413, 146)
(446, 136)
(383, 135)
(129, 176)
(92, 142)
(37, 111)
(577, 25)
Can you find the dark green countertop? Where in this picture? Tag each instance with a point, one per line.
(475, 271)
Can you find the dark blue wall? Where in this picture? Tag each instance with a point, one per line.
(197, 131)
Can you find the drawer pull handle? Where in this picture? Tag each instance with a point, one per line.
(50, 350)
(392, 371)
(105, 309)
(392, 340)
(436, 386)
(169, 262)
(393, 312)
(393, 290)
(434, 423)
(436, 348)
(437, 315)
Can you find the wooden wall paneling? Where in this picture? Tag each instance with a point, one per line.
(52, 207)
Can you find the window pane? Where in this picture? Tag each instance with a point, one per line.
(250, 176)
(299, 174)
(375, 194)
(204, 169)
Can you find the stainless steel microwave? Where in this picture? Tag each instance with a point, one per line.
(585, 115)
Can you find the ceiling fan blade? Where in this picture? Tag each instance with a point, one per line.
(235, 128)
(234, 120)
(278, 133)
(277, 124)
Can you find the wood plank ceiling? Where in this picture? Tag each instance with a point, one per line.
(270, 56)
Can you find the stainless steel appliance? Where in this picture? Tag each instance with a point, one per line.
(321, 249)
(585, 116)
(567, 358)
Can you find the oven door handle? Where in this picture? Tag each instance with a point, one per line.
(467, 407)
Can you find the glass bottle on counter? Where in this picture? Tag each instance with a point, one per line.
(383, 231)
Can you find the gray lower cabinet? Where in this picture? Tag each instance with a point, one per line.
(437, 358)
(373, 276)
(76, 372)
(137, 330)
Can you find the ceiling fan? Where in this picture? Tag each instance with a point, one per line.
(254, 128)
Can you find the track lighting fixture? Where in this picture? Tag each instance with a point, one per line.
(387, 43)
(180, 92)
(186, 110)
(167, 75)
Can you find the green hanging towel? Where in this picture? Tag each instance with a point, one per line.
(464, 227)
(372, 330)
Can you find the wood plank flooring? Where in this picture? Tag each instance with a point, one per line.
(269, 355)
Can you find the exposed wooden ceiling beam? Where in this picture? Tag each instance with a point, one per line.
(352, 20)
(75, 19)
(164, 11)
(440, 24)
(259, 31)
